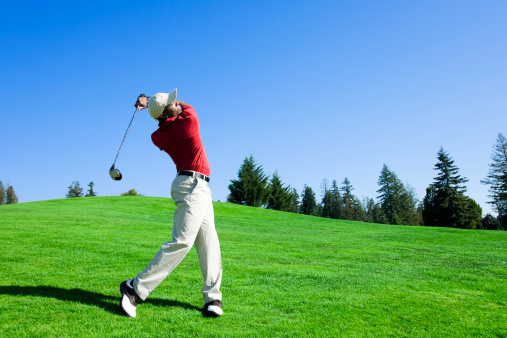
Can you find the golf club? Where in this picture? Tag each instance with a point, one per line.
(113, 172)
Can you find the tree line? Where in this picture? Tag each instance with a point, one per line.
(7, 195)
(445, 203)
(75, 190)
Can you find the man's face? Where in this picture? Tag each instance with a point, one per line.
(172, 110)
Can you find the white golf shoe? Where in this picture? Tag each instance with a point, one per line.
(129, 298)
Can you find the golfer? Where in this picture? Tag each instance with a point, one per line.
(178, 135)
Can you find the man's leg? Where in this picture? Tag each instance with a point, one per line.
(208, 251)
(190, 199)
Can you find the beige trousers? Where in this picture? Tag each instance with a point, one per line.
(193, 224)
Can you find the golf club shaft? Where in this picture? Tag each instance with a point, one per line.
(121, 145)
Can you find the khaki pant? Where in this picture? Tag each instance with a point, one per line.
(193, 224)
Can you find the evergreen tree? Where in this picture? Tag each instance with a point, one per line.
(337, 205)
(359, 211)
(410, 207)
(10, 196)
(2, 193)
(399, 203)
(280, 197)
(390, 191)
(295, 201)
(90, 191)
(75, 190)
(327, 204)
(348, 200)
(497, 179)
(445, 203)
(374, 212)
(430, 206)
(251, 187)
(308, 204)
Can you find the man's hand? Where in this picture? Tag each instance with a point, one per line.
(141, 103)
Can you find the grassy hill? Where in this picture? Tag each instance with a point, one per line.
(284, 274)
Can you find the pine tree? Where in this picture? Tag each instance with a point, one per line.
(374, 212)
(348, 200)
(337, 205)
(74, 190)
(410, 207)
(308, 204)
(90, 191)
(295, 201)
(399, 203)
(251, 187)
(327, 204)
(390, 191)
(2, 193)
(359, 211)
(10, 196)
(497, 179)
(280, 197)
(445, 203)
(430, 206)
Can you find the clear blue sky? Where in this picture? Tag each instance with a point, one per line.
(313, 89)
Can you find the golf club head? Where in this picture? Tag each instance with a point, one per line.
(115, 173)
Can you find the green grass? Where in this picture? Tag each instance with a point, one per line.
(284, 274)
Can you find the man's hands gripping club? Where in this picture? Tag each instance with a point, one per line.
(173, 109)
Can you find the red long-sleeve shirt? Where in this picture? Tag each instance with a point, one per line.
(180, 137)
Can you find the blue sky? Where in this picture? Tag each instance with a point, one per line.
(312, 89)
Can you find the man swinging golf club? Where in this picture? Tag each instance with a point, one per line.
(178, 135)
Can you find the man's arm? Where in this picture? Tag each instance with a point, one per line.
(182, 103)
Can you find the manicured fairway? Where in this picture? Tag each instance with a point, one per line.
(284, 274)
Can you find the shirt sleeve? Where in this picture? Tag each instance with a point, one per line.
(188, 112)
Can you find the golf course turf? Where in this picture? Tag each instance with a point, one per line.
(285, 274)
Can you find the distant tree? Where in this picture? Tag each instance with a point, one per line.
(337, 205)
(497, 179)
(399, 203)
(374, 212)
(131, 192)
(251, 187)
(2, 193)
(74, 190)
(280, 197)
(295, 201)
(348, 200)
(420, 210)
(308, 203)
(473, 215)
(390, 192)
(90, 191)
(410, 206)
(430, 207)
(359, 211)
(490, 222)
(10, 196)
(327, 204)
(445, 204)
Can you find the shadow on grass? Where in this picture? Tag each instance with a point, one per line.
(108, 303)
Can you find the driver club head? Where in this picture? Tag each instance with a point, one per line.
(115, 173)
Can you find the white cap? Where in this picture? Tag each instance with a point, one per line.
(159, 101)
